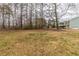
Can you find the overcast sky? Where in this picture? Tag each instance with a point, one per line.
(71, 13)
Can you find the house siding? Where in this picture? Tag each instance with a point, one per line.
(74, 23)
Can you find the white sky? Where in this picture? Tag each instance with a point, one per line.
(71, 13)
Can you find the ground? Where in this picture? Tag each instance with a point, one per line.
(39, 42)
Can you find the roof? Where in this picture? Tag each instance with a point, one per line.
(74, 18)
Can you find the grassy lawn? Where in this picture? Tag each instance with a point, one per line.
(39, 42)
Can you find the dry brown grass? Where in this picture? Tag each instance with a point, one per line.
(39, 42)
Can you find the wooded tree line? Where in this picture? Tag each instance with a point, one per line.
(31, 15)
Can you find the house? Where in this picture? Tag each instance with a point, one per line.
(74, 23)
(64, 24)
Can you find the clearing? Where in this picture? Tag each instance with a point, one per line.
(39, 42)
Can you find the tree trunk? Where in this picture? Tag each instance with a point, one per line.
(15, 14)
(42, 15)
(21, 5)
(9, 21)
(3, 24)
(56, 17)
(36, 16)
(30, 18)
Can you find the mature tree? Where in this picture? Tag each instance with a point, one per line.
(56, 16)
(21, 10)
(3, 23)
(37, 14)
(15, 16)
(5, 10)
(9, 13)
(30, 15)
(60, 12)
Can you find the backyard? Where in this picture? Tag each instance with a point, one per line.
(39, 42)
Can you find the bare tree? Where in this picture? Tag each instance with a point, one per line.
(24, 14)
(9, 13)
(42, 25)
(36, 15)
(15, 7)
(3, 23)
(30, 17)
(21, 10)
(56, 16)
